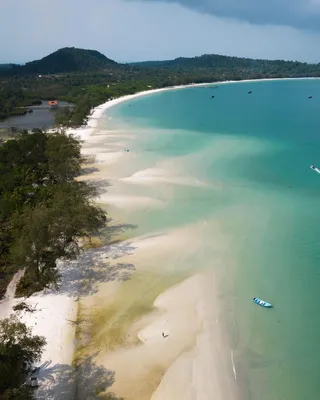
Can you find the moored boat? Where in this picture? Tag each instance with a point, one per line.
(262, 302)
(315, 168)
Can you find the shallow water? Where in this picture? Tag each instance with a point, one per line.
(42, 117)
(255, 214)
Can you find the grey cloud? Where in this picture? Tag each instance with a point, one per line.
(128, 30)
(303, 14)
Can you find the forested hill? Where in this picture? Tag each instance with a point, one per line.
(213, 66)
(68, 59)
(235, 64)
(6, 66)
(87, 78)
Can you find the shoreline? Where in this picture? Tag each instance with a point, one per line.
(96, 113)
(52, 317)
(57, 309)
(59, 352)
(180, 336)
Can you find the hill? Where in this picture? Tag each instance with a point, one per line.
(6, 69)
(68, 59)
(213, 66)
(87, 78)
(242, 66)
(6, 66)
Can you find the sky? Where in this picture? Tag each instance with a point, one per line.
(138, 30)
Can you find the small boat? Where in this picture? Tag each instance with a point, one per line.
(249, 92)
(309, 97)
(212, 97)
(315, 169)
(262, 302)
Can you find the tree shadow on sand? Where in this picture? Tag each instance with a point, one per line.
(81, 277)
(82, 382)
(111, 231)
(100, 185)
(89, 170)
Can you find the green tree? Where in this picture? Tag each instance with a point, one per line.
(19, 350)
(44, 211)
(46, 233)
(63, 156)
(63, 116)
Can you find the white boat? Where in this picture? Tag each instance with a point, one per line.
(315, 169)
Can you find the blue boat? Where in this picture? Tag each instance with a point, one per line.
(262, 302)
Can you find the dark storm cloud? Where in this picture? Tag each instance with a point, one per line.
(295, 13)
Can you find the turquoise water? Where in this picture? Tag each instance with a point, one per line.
(253, 152)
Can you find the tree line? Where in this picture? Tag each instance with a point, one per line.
(44, 211)
(97, 79)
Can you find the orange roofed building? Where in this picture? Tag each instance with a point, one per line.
(53, 103)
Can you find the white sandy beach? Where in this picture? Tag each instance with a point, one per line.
(193, 360)
(184, 352)
(52, 318)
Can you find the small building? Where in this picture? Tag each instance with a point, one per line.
(53, 103)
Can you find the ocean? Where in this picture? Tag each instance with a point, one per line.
(236, 168)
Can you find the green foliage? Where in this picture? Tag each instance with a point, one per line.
(43, 209)
(239, 68)
(66, 60)
(19, 350)
(63, 155)
(13, 100)
(88, 78)
(63, 116)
